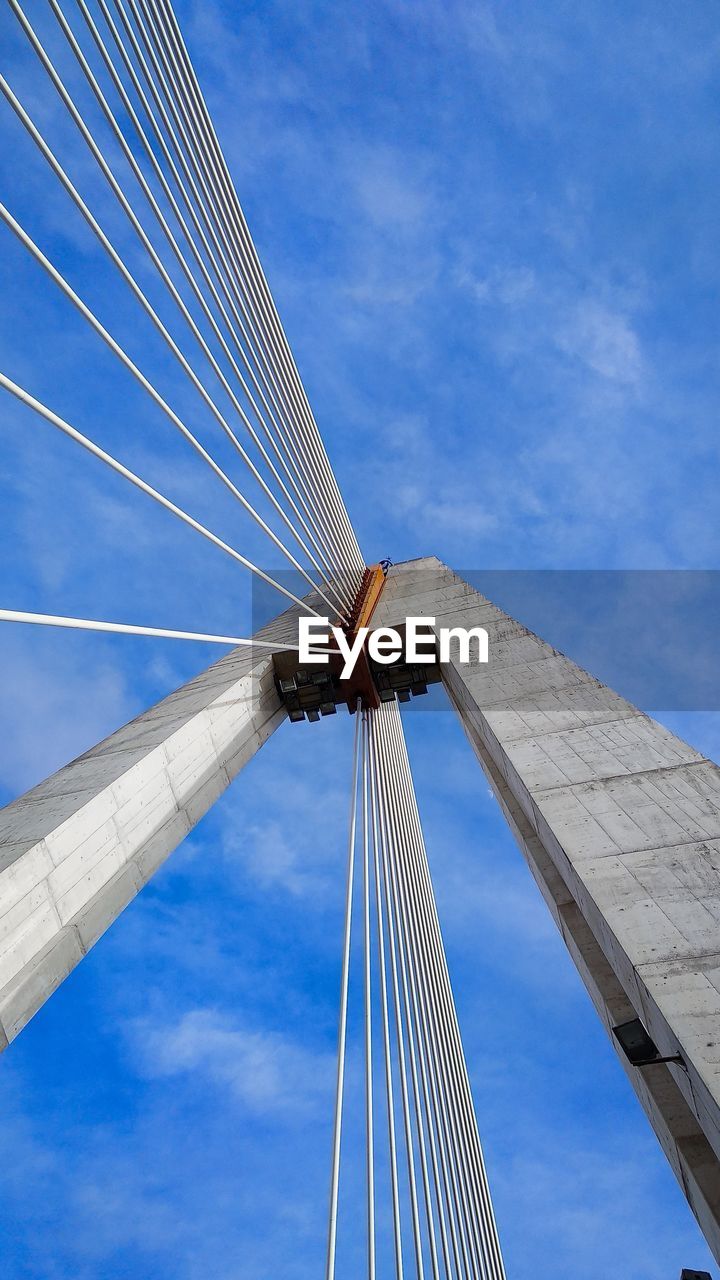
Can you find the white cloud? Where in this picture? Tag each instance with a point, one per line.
(586, 1208)
(604, 340)
(390, 189)
(266, 1072)
(460, 516)
(274, 856)
(57, 709)
(279, 833)
(510, 286)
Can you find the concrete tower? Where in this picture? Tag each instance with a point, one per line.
(619, 822)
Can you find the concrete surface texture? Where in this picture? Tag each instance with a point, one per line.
(78, 847)
(619, 822)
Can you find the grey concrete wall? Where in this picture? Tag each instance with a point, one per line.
(619, 822)
(77, 848)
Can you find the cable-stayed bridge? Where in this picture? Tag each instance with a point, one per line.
(619, 820)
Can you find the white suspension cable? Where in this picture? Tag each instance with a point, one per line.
(196, 149)
(127, 275)
(202, 115)
(430, 1031)
(229, 279)
(383, 985)
(434, 1037)
(180, 257)
(399, 976)
(482, 1221)
(129, 364)
(489, 1245)
(24, 396)
(369, 1138)
(318, 537)
(486, 1220)
(126, 629)
(439, 1177)
(107, 173)
(408, 977)
(179, 70)
(342, 1020)
(224, 275)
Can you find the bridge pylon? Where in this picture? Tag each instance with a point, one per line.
(617, 818)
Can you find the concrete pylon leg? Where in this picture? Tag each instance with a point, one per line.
(619, 822)
(78, 847)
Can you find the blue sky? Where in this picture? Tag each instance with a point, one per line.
(491, 234)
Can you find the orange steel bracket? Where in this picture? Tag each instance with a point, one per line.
(361, 684)
(367, 597)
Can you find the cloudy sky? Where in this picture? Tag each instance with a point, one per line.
(491, 231)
